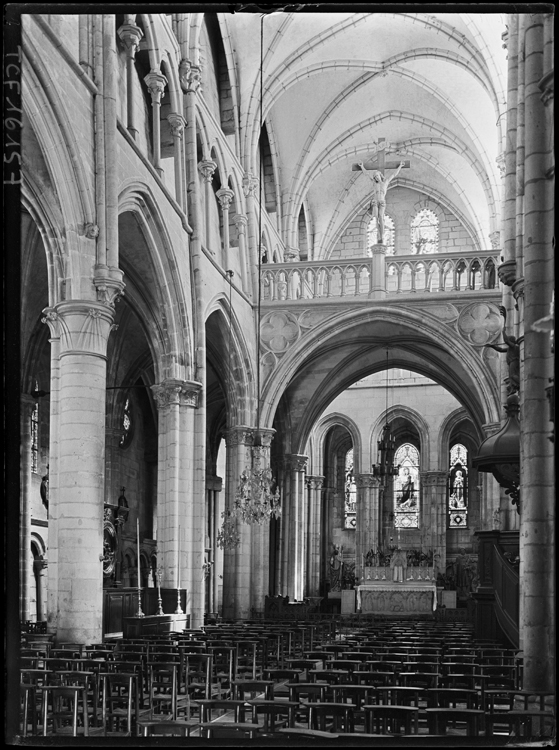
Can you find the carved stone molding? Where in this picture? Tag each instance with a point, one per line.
(82, 326)
(176, 392)
(207, 167)
(501, 164)
(291, 255)
(495, 239)
(177, 123)
(190, 76)
(433, 478)
(91, 231)
(156, 83)
(479, 323)
(250, 185)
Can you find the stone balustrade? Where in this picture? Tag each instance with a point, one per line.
(404, 274)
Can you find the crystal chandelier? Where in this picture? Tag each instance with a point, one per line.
(255, 500)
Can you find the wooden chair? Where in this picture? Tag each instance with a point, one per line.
(64, 710)
(229, 730)
(399, 695)
(196, 679)
(439, 718)
(382, 719)
(334, 717)
(452, 698)
(120, 702)
(177, 728)
(28, 708)
(276, 713)
(213, 709)
(163, 687)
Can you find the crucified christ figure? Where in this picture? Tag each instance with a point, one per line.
(378, 198)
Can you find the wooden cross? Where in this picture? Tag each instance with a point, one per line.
(380, 162)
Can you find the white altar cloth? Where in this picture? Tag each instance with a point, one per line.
(392, 597)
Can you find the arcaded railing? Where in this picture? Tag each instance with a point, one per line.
(404, 274)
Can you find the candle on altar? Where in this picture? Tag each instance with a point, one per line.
(138, 535)
(179, 561)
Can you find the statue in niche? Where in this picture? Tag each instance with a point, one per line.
(398, 563)
(44, 489)
(377, 205)
(336, 566)
(512, 350)
(463, 574)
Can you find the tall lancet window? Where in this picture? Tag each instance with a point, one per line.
(458, 487)
(406, 487)
(372, 233)
(350, 493)
(424, 233)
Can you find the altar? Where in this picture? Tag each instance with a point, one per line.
(416, 594)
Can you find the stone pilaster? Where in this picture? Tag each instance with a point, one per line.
(314, 490)
(177, 123)
(241, 223)
(27, 404)
(250, 188)
(207, 168)
(225, 197)
(367, 517)
(180, 514)
(378, 272)
(295, 536)
(131, 36)
(434, 515)
(156, 82)
(237, 578)
(77, 478)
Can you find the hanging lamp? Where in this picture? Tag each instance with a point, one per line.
(386, 446)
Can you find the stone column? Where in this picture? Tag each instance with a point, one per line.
(237, 574)
(378, 272)
(314, 490)
(27, 404)
(241, 222)
(250, 186)
(225, 197)
(295, 537)
(206, 168)
(130, 35)
(177, 123)
(260, 542)
(181, 515)
(76, 494)
(113, 436)
(156, 83)
(213, 488)
(367, 518)
(537, 522)
(433, 517)
(40, 569)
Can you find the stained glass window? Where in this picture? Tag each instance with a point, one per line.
(126, 424)
(35, 437)
(350, 496)
(424, 233)
(372, 233)
(458, 487)
(406, 487)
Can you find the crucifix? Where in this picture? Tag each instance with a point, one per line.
(380, 183)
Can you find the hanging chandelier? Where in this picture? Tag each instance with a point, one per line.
(386, 446)
(257, 499)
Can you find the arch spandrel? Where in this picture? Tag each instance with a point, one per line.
(346, 347)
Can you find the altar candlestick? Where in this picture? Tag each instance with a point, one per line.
(139, 613)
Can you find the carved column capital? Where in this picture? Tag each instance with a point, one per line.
(507, 272)
(225, 197)
(156, 83)
(109, 285)
(131, 36)
(190, 76)
(241, 222)
(240, 435)
(176, 392)
(378, 249)
(207, 167)
(83, 326)
(250, 185)
(495, 239)
(296, 461)
(177, 123)
(314, 482)
(367, 481)
(266, 436)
